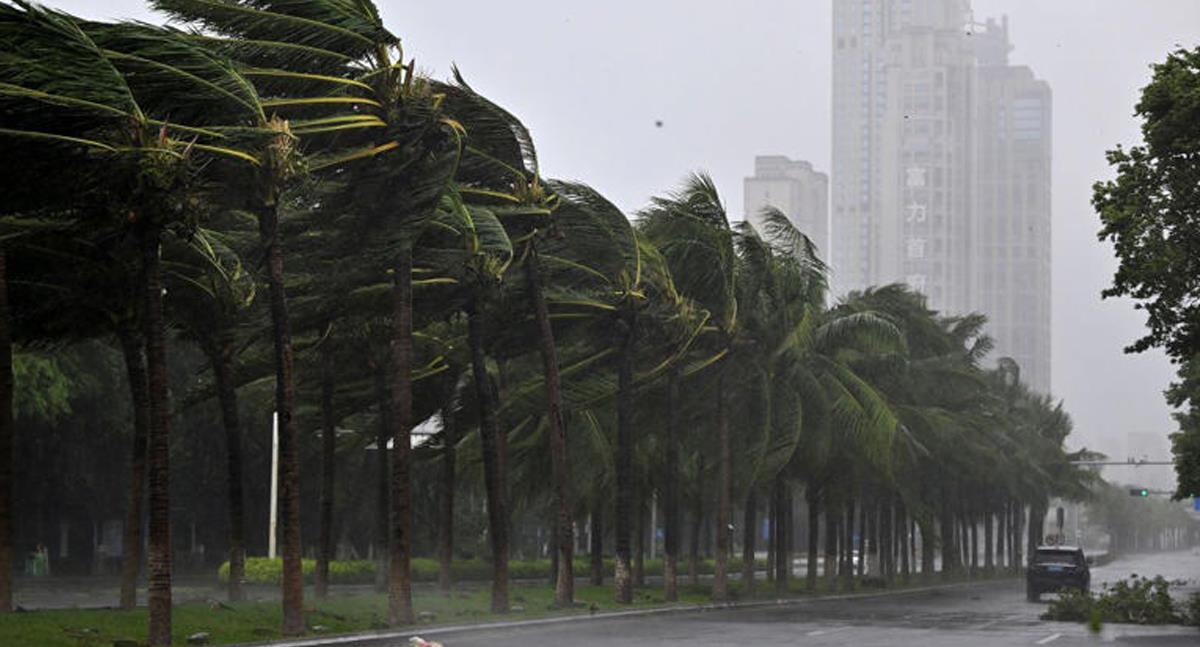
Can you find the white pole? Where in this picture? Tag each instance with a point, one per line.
(274, 483)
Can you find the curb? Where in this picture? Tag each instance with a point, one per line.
(369, 638)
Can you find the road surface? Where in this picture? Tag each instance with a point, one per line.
(990, 613)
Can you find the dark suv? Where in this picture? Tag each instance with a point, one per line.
(1056, 567)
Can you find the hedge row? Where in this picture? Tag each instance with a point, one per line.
(260, 570)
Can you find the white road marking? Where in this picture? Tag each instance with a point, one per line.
(1049, 639)
(822, 632)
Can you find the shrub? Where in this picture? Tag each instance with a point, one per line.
(1192, 610)
(1072, 605)
(260, 570)
(1138, 600)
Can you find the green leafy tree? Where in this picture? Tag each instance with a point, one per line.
(1151, 214)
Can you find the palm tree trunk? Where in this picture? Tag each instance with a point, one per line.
(622, 579)
(596, 550)
(6, 443)
(328, 451)
(863, 533)
(493, 462)
(446, 528)
(831, 541)
(1001, 537)
(789, 535)
(383, 484)
(871, 541)
(814, 537)
(639, 556)
(725, 495)
(848, 569)
(888, 541)
(158, 441)
(964, 542)
(783, 558)
(974, 528)
(552, 549)
(133, 351)
(948, 540)
(400, 609)
(671, 491)
(289, 438)
(749, 532)
(694, 546)
(927, 548)
(221, 358)
(772, 524)
(1018, 528)
(989, 562)
(564, 586)
(905, 539)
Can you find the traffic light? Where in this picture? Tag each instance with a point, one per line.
(1143, 492)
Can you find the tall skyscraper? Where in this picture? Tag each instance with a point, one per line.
(794, 188)
(1011, 242)
(931, 126)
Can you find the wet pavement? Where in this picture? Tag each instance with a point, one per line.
(988, 613)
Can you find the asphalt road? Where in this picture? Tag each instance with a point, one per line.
(992, 613)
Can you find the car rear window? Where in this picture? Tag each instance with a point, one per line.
(1056, 557)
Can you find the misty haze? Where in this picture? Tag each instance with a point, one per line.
(821, 322)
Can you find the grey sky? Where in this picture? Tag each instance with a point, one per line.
(731, 80)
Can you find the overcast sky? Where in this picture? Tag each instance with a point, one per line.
(731, 80)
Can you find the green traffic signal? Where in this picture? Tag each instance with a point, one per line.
(1139, 492)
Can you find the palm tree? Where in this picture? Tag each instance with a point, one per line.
(209, 295)
(400, 153)
(485, 255)
(692, 230)
(500, 169)
(103, 92)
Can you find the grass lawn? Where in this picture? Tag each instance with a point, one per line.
(260, 621)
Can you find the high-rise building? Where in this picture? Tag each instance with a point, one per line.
(1011, 227)
(931, 125)
(794, 188)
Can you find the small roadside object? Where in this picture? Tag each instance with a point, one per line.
(417, 641)
(200, 638)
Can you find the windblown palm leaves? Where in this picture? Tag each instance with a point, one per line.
(433, 270)
(109, 98)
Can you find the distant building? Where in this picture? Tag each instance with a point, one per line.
(794, 188)
(1011, 242)
(941, 168)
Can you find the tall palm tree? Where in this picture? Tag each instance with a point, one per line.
(484, 254)
(209, 296)
(693, 232)
(500, 169)
(308, 56)
(100, 94)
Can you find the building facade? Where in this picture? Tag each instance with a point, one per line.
(1012, 225)
(941, 168)
(794, 188)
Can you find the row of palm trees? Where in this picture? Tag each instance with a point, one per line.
(157, 178)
